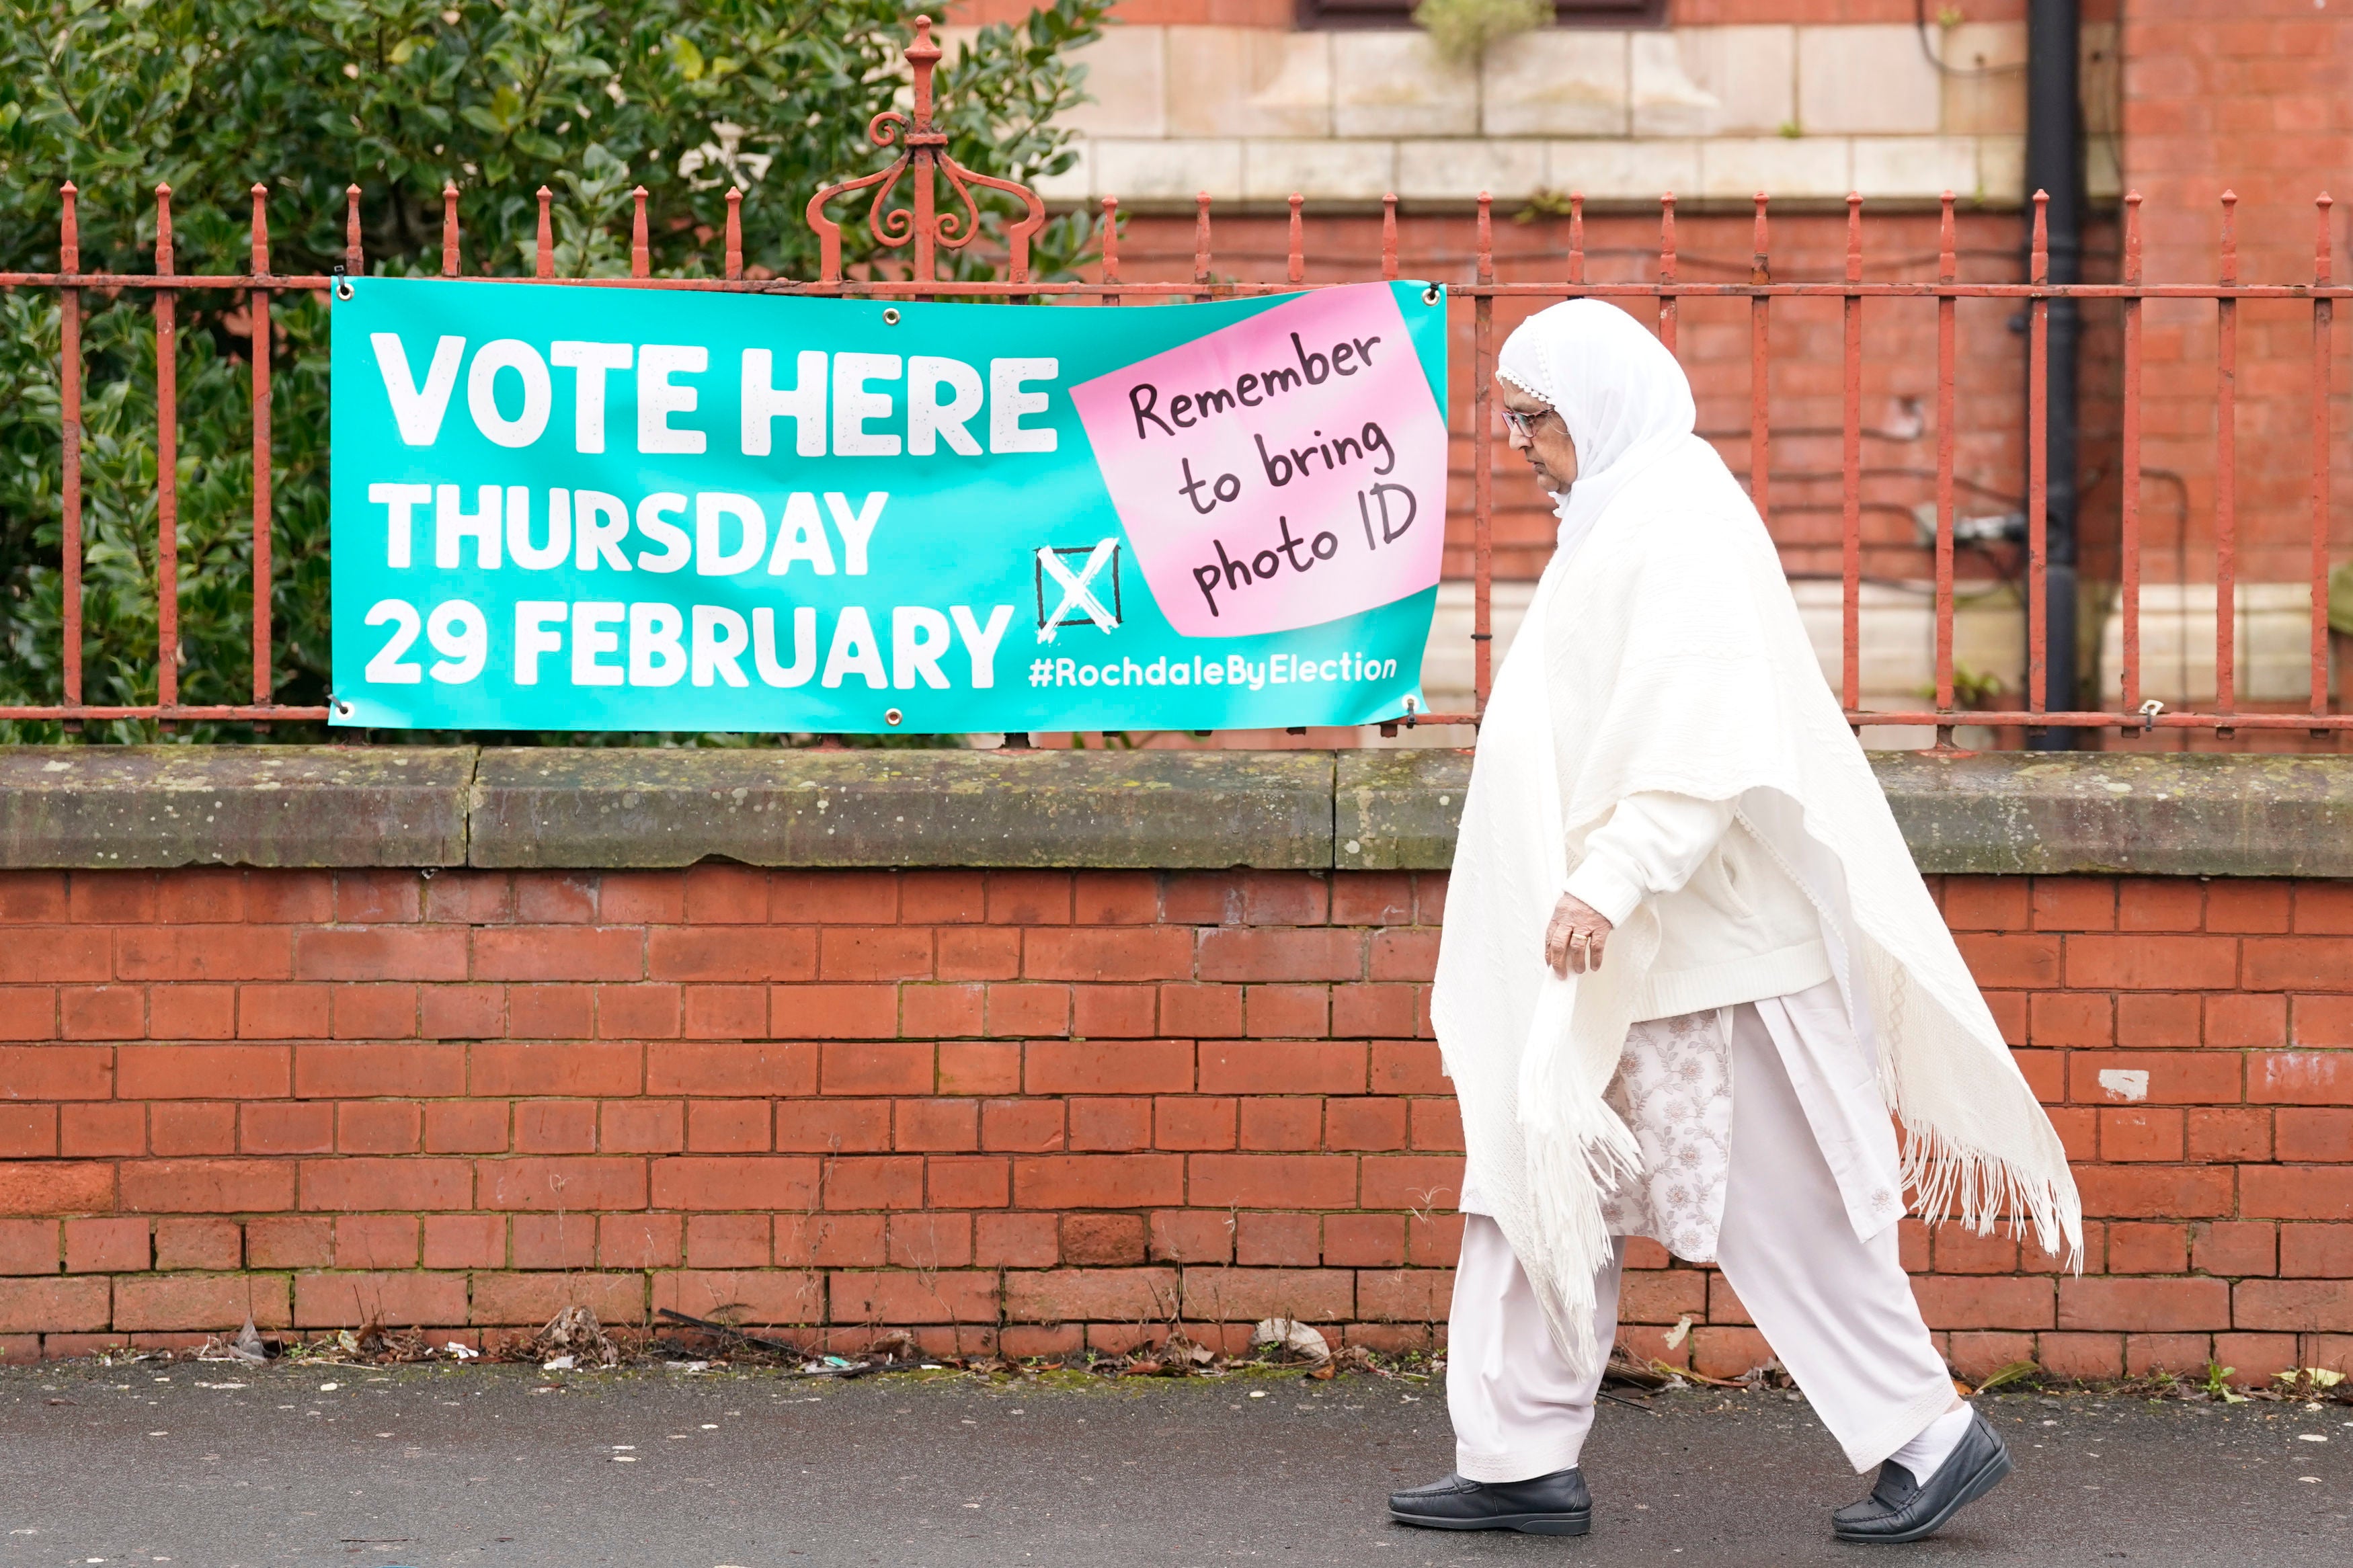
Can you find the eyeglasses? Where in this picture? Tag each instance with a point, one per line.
(1525, 424)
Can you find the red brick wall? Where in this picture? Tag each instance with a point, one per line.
(1031, 1109)
(2250, 99)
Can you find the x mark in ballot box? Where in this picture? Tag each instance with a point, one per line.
(1080, 603)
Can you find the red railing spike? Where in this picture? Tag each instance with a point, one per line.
(2128, 464)
(70, 439)
(2323, 320)
(258, 312)
(1483, 468)
(355, 261)
(1761, 306)
(449, 258)
(167, 465)
(1667, 270)
(2226, 470)
(260, 229)
(544, 257)
(2038, 478)
(735, 254)
(1948, 273)
(1201, 240)
(640, 248)
(1850, 460)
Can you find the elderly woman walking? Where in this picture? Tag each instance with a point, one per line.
(1689, 973)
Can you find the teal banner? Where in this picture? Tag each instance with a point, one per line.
(588, 508)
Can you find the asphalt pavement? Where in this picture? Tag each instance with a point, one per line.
(213, 1466)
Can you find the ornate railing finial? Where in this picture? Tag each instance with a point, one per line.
(925, 56)
(925, 149)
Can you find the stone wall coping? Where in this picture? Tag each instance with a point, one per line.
(153, 806)
(549, 807)
(92, 806)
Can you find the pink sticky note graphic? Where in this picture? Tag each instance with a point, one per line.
(1284, 471)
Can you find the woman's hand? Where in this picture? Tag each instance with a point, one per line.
(1576, 938)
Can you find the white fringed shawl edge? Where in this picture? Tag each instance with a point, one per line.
(1675, 660)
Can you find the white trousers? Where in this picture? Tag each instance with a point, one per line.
(1837, 1310)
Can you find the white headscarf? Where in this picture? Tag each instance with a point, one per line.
(1624, 398)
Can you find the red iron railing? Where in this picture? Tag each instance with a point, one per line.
(923, 227)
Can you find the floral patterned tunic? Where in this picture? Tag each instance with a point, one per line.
(1673, 1091)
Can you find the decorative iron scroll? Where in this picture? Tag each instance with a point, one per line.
(922, 223)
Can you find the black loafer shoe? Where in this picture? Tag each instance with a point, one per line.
(1557, 1504)
(1900, 1509)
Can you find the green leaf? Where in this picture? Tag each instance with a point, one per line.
(2016, 1372)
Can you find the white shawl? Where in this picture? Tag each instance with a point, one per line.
(1672, 657)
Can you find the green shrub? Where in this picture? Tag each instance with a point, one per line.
(589, 98)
